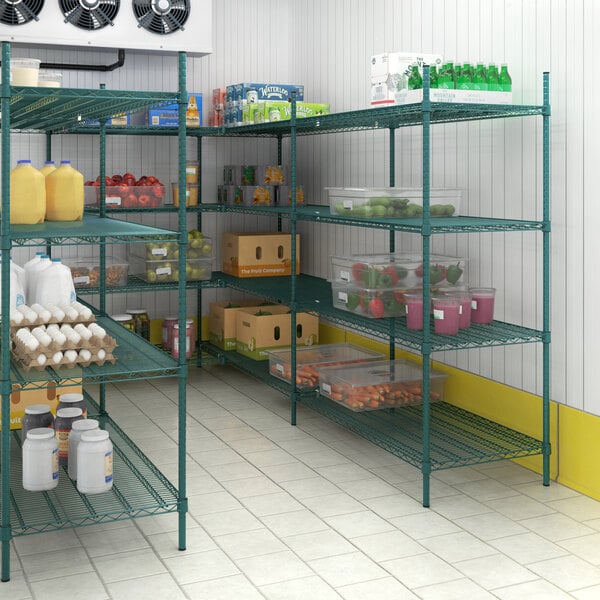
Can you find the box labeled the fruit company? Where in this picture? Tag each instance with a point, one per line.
(221, 322)
(258, 254)
(264, 328)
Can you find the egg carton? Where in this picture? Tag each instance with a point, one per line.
(51, 321)
(30, 362)
(108, 344)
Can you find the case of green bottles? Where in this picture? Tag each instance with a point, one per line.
(393, 203)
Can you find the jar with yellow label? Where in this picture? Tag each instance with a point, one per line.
(125, 320)
(141, 321)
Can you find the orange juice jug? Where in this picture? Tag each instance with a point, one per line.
(27, 194)
(47, 168)
(64, 193)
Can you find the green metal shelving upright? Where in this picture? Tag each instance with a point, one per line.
(429, 437)
(139, 488)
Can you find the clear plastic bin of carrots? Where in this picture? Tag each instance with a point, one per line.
(375, 386)
(309, 360)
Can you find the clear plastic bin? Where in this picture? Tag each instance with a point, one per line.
(401, 270)
(373, 303)
(379, 385)
(86, 271)
(198, 269)
(126, 196)
(198, 247)
(393, 203)
(310, 360)
(191, 193)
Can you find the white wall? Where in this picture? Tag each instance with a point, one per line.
(327, 46)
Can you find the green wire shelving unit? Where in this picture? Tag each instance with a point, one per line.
(139, 489)
(431, 437)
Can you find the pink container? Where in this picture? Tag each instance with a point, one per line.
(190, 339)
(167, 332)
(464, 311)
(482, 305)
(414, 310)
(446, 315)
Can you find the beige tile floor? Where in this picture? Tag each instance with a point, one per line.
(286, 513)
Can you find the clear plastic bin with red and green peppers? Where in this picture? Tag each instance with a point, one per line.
(374, 285)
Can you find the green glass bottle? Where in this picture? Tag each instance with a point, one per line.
(464, 81)
(446, 77)
(480, 78)
(504, 79)
(492, 79)
(433, 77)
(415, 81)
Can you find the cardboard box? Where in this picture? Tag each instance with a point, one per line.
(258, 254)
(389, 73)
(222, 322)
(253, 92)
(167, 115)
(447, 95)
(21, 398)
(256, 334)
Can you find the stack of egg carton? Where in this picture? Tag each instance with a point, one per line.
(59, 336)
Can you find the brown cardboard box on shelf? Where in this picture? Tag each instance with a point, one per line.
(258, 254)
(22, 397)
(263, 328)
(222, 322)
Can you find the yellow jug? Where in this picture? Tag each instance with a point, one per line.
(27, 194)
(64, 194)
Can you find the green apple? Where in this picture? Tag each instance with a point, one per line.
(207, 249)
(151, 276)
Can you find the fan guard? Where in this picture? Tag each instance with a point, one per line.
(89, 14)
(18, 12)
(161, 16)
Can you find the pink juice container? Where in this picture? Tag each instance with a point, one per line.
(414, 310)
(482, 305)
(464, 310)
(446, 314)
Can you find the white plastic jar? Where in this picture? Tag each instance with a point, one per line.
(77, 430)
(40, 460)
(94, 462)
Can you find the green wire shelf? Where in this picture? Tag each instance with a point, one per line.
(136, 359)
(139, 489)
(91, 230)
(136, 284)
(457, 437)
(66, 109)
(314, 295)
(438, 225)
(389, 117)
(259, 369)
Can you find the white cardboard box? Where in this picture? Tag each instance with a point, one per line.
(390, 71)
(448, 95)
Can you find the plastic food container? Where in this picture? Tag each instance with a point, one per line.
(168, 270)
(49, 79)
(192, 169)
(393, 203)
(376, 303)
(378, 385)
(482, 305)
(198, 247)
(284, 195)
(191, 193)
(310, 360)
(24, 71)
(86, 271)
(271, 175)
(226, 194)
(254, 195)
(126, 196)
(400, 269)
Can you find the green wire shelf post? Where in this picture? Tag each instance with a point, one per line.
(183, 369)
(5, 246)
(426, 241)
(546, 449)
(293, 278)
